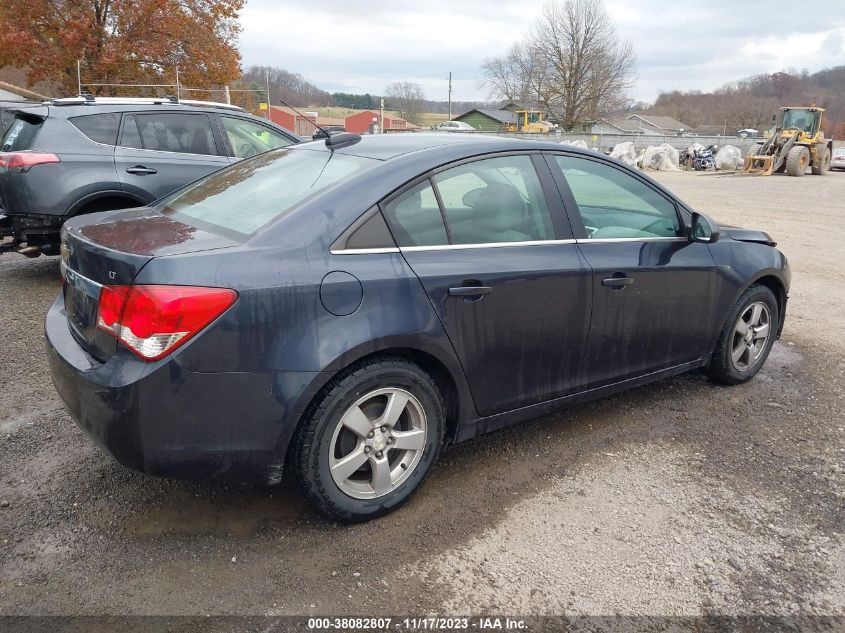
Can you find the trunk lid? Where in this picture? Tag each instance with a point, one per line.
(111, 248)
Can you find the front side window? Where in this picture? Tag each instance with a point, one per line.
(495, 200)
(616, 205)
(248, 138)
(254, 192)
(169, 132)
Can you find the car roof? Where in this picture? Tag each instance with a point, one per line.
(74, 107)
(390, 146)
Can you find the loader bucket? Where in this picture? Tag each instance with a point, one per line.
(760, 165)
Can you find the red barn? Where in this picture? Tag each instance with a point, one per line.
(360, 122)
(301, 124)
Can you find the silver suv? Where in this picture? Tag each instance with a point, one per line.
(67, 157)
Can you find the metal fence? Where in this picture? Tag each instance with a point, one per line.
(606, 142)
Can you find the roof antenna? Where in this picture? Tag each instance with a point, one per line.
(344, 139)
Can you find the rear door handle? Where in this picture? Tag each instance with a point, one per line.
(140, 170)
(470, 291)
(617, 283)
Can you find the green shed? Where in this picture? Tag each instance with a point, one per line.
(487, 120)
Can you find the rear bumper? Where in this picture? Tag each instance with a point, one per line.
(161, 419)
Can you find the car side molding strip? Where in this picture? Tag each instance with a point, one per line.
(449, 247)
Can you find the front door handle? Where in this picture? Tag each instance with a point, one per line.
(140, 170)
(617, 283)
(470, 291)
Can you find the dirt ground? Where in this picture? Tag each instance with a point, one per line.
(678, 498)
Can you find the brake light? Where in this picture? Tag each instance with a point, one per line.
(152, 321)
(24, 161)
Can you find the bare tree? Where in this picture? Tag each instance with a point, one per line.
(407, 98)
(516, 76)
(572, 62)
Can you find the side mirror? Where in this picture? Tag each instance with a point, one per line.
(703, 229)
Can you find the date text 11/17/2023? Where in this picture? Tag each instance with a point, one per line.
(417, 623)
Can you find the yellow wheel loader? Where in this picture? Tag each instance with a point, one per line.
(529, 121)
(796, 142)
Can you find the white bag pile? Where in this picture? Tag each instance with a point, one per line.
(579, 143)
(728, 158)
(662, 157)
(625, 152)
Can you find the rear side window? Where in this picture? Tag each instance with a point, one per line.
(21, 135)
(101, 128)
(169, 132)
(257, 191)
(415, 217)
(495, 200)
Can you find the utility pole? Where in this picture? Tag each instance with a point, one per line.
(79, 76)
(229, 97)
(381, 121)
(450, 96)
(267, 77)
(177, 83)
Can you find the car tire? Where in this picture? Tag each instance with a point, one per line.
(362, 416)
(746, 338)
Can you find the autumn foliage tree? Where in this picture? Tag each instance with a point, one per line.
(122, 41)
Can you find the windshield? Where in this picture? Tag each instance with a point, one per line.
(800, 120)
(254, 192)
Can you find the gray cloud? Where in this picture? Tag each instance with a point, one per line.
(360, 47)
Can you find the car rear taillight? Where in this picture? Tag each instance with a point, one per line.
(24, 161)
(152, 321)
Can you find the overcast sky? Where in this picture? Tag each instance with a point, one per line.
(342, 45)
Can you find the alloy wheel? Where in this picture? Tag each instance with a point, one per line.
(377, 443)
(751, 333)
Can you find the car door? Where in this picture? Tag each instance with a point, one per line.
(653, 288)
(162, 151)
(495, 254)
(247, 138)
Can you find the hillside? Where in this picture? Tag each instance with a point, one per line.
(750, 102)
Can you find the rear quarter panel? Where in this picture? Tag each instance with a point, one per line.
(279, 322)
(86, 169)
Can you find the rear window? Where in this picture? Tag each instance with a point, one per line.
(101, 128)
(21, 134)
(252, 193)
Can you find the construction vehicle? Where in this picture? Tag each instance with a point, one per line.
(796, 142)
(529, 121)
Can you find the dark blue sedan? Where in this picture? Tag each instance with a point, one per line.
(348, 307)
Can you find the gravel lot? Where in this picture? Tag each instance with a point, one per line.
(677, 498)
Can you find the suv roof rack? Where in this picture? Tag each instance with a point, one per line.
(209, 104)
(88, 99)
